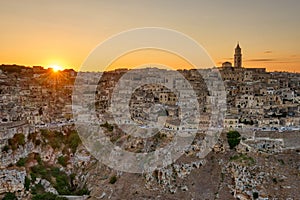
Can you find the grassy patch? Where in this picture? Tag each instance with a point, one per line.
(243, 158)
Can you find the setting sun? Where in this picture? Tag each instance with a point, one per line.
(56, 68)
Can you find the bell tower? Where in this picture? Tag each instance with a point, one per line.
(238, 56)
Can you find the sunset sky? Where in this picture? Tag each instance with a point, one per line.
(64, 32)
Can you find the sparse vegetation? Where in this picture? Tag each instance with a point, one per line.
(56, 139)
(32, 136)
(38, 189)
(59, 179)
(243, 158)
(47, 196)
(16, 141)
(73, 140)
(62, 182)
(83, 191)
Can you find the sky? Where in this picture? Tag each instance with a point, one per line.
(65, 32)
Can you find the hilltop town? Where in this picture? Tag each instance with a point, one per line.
(41, 151)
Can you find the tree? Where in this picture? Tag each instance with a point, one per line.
(5, 148)
(113, 179)
(233, 138)
(27, 183)
(255, 195)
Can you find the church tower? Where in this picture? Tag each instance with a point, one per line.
(238, 56)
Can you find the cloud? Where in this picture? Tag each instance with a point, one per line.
(268, 52)
(261, 60)
(271, 60)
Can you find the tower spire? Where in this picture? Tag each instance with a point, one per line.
(238, 56)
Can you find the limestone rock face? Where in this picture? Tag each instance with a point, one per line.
(12, 180)
(48, 187)
(12, 157)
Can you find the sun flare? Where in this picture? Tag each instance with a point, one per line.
(56, 68)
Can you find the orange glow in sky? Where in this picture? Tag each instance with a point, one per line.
(63, 32)
(150, 58)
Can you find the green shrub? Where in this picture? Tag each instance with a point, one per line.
(113, 179)
(5, 148)
(281, 161)
(83, 191)
(37, 142)
(10, 196)
(39, 159)
(38, 189)
(33, 177)
(21, 162)
(73, 140)
(55, 171)
(40, 171)
(54, 138)
(44, 132)
(59, 179)
(62, 184)
(62, 161)
(16, 141)
(108, 126)
(20, 138)
(27, 183)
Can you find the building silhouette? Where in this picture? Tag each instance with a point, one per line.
(238, 56)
